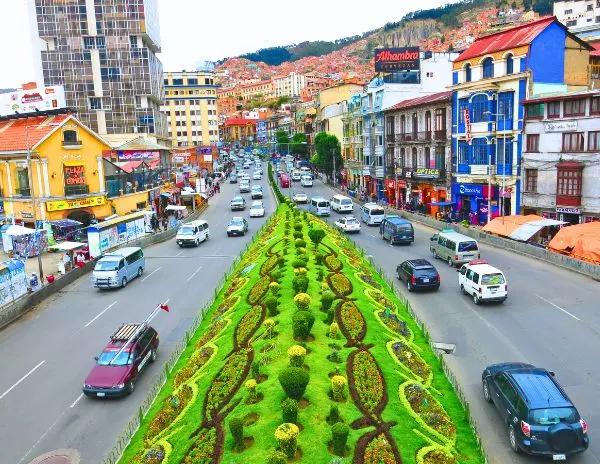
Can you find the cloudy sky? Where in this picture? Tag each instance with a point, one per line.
(196, 30)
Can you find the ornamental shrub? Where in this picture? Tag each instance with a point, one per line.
(281, 261)
(330, 316)
(300, 271)
(326, 299)
(274, 286)
(316, 235)
(319, 258)
(338, 385)
(299, 262)
(339, 434)
(333, 330)
(302, 323)
(277, 457)
(301, 251)
(294, 380)
(271, 304)
(300, 283)
(296, 354)
(287, 437)
(334, 415)
(299, 243)
(320, 275)
(298, 234)
(297, 227)
(255, 370)
(269, 325)
(251, 387)
(236, 427)
(289, 411)
(302, 301)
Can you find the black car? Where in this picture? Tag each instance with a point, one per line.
(418, 274)
(540, 417)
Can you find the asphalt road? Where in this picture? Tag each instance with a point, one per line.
(45, 356)
(550, 319)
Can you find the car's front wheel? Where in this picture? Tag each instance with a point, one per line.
(124, 282)
(130, 386)
(409, 286)
(512, 439)
(486, 391)
(152, 356)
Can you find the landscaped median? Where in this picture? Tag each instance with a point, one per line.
(306, 356)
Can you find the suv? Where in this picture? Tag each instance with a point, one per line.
(237, 204)
(418, 273)
(131, 348)
(540, 417)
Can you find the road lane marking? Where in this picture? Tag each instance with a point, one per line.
(101, 313)
(155, 270)
(42, 437)
(195, 272)
(76, 401)
(558, 307)
(179, 254)
(21, 380)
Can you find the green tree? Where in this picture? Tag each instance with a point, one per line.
(282, 138)
(328, 148)
(299, 144)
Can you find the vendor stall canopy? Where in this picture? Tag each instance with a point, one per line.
(519, 227)
(65, 223)
(581, 241)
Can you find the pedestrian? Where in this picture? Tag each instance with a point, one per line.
(165, 222)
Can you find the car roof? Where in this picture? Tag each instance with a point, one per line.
(124, 333)
(351, 217)
(538, 387)
(257, 203)
(121, 252)
(419, 263)
(237, 218)
(396, 220)
(452, 234)
(483, 268)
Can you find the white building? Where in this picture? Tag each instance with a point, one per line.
(561, 156)
(289, 86)
(582, 17)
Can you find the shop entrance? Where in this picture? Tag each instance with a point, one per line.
(83, 216)
(572, 219)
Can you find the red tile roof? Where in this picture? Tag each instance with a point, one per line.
(13, 131)
(505, 40)
(427, 99)
(239, 122)
(596, 51)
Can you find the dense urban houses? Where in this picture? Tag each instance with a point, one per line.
(108, 67)
(329, 108)
(433, 76)
(352, 143)
(262, 89)
(191, 108)
(418, 136)
(491, 79)
(239, 132)
(561, 156)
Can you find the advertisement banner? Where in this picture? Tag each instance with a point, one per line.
(60, 205)
(137, 155)
(397, 59)
(425, 173)
(32, 100)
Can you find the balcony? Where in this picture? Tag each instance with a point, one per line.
(71, 144)
(572, 201)
(391, 138)
(440, 135)
(415, 137)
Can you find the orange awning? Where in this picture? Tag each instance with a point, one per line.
(506, 225)
(581, 241)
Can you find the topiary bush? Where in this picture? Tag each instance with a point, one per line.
(294, 380)
(339, 435)
(281, 261)
(297, 227)
(287, 437)
(333, 330)
(302, 301)
(300, 261)
(300, 283)
(330, 316)
(271, 304)
(319, 258)
(334, 415)
(289, 411)
(255, 370)
(277, 457)
(299, 243)
(298, 235)
(338, 387)
(236, 427)
(326, 300)
(250, 386)
(274, 286)
(302, 323)
(296, 354)
(316, 235)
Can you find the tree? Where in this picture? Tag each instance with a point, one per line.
(299, 144)
(282, 138)
(327, 147)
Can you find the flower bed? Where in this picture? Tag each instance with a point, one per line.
(429, 410)
(407, 356)
(259, 289)
(332, 263)
(203, 449)
(340, 284)
(226, 381)
(379, 451)
(380, 299)
(248, 325)
(171, 409)
(367, 380)
(212, 331)
(225, 306)
(394, 323)
(352, 321)
(368, 279)
(197, 360)
(437, 456)
(236, 284)
(269, 265)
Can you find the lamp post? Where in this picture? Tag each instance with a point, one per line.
(33, 203)
(500, 199)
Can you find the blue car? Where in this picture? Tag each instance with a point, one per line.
(396, 230)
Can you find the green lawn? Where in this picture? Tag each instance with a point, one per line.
(397, 402)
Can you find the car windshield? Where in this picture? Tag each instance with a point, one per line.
(427, 272)
(552, 416)
(377, 212)
(186, 231)
(346, 202)
(107, 265)
(492, 279)
(107, 356)
(404, 228)
(352, 221)
(467, 246)
(236, 222)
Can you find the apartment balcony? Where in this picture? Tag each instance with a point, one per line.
(573, 201)
(413, 137)
(390, 138)
(440, 135)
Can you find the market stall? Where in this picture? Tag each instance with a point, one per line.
(22, 241)
(107, 235)
(581, 241)
(13, 280)
(64, 229)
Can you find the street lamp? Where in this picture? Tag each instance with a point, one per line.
(33, 204)
(500, 200)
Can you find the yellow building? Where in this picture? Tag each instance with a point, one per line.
(191, 108)
(66, 176)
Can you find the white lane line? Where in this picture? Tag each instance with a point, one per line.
(76, 401)
(558, 307)
(179, 254)
(21, 379)
(101, 313)
(155, 270)
(42, 437)
(195, 272)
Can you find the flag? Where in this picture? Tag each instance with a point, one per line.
(164, 307)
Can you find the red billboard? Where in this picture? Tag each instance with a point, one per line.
(397, 59)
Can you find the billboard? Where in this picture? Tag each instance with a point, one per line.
(32, 100)
(397, 59)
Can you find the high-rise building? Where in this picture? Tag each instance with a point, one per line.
(290, 85)
(191, 108)
(104, 54)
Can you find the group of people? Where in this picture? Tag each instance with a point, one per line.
(156, 223)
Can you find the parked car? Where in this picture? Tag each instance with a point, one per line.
(300, 197)
(237, 226)
(257, 209)
(233, 178)
(238, 203)
(540, 418)
(131, 348)
(418, 274)
(256, 192)
(348, 224)
(483, 282)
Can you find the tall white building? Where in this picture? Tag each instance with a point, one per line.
(582, 17)
(289, 86)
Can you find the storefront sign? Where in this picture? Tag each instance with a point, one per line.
(74, 175)
(561, 209)
(401, 184)
(560, 126)
(468, 125)
(137, 155)
(178, 159)
(425, 173)
(390, 184)
(60, 205)
(25, 215)
(468, 189)
(397, 59)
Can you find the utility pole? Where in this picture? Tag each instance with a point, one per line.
(37, 234)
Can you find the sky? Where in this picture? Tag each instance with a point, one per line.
(193, 31)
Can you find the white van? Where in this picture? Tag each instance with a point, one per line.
(341, 204)
(192, 233)
(483, 282)
(454, 248)
(117, 268)
(306, 181)
(372, 213)
(319, 206)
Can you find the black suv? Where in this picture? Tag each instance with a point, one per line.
(540, 417)
(418, 273)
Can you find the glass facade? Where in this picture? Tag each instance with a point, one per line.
(106, 61)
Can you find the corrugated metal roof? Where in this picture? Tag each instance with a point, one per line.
(427, 99)
(596, 51)
(239, 122)
(505, 40)
(140, 144)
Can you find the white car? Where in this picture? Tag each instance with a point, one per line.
(306, 181)
(257, 192)
(482, 282)
(244, 186)
(348, 224)
(296, 176)
(257, 209)
(243, 176)
(300, 197)
(256, 176)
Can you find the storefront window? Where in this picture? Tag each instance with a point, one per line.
(479, 106)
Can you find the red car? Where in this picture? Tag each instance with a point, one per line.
(284, 181)
(131, 348)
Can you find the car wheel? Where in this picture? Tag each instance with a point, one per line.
(228, 234)
(130, 386)
(409, 286)
(434, 254)
(391, 240)
(475, 298)
(486, 391)
(152, 356)
(398, 274)
(450, 262)
(140, 271)
(197, 243)
(512, 439)
(462, 289)
(124, 282)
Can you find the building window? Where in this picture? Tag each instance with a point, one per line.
(133, 43)
(594, 141)
(505, 151)
(177, 81)
(533, 143)
(554, 109)
(488, 68)
(595, 105)
(427, 158)
(571, 23)
(110, 74)
(509, 64)
(590, 7)
(88, 43)
(568, 181)
(535, 111)
(100, 42)
(479, 105)
(480, 151)
(463, 104)
(192, 81)
(572, 141)
(440, 157)
(467, 72)
(23, 182)
(531, 180)
(569, 11)
(505, 105)
(440, 120)
(95, 103)
(574, 107)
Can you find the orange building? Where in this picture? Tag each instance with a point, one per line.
(239, 130)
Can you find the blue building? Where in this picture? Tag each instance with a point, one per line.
(490, 81)
(261, 131)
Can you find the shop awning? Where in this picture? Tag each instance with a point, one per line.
(67, 246)
(442, 203)
(175, 208)
(18, 230)
(65, 223)
(581, 241)
(519, 227)
(529, 229)
(130, 166)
